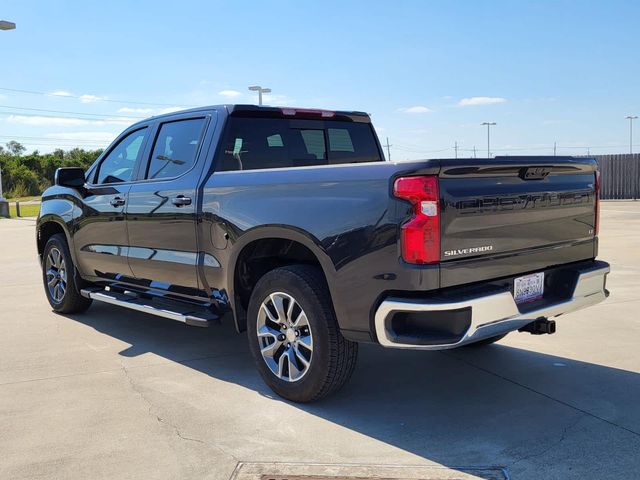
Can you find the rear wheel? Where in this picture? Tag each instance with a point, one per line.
(58, 277)
(294, 337)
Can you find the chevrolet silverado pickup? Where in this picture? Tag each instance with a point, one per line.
(290, 223)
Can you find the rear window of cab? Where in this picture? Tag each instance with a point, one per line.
(259, 143)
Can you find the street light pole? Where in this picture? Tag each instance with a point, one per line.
(488, 124)
(631, 118)
(260, 90)
(1, 197)
(4, 205)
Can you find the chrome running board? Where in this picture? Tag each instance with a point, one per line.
(185, 313)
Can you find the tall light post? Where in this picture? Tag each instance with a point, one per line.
(4, 205)
(631, 118)
(260, 90)
(488, 124)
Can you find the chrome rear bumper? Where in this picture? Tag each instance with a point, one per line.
(491, 315)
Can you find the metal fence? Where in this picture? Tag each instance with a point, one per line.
(619, 176)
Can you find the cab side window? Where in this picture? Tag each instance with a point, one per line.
(119, 164)
(176, 148)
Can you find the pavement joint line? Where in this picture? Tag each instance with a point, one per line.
(134, 367)
(533, 390)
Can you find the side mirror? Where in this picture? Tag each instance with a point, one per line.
(72, 177)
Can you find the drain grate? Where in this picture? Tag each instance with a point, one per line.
(302, 471)
(319, 477)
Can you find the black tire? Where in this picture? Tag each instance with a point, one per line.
(70, 300)
(333, 358)
(488, 341)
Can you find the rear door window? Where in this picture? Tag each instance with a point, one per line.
(175, 148)
(259, 143)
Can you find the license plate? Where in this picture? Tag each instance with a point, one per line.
(528, 288)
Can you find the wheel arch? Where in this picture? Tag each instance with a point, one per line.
(49, 225)
(266, 248)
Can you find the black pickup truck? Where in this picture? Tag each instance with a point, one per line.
(290, 223)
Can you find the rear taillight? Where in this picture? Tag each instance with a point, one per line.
(597, 188)
(420, 236)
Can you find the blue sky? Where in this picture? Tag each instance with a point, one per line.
(428, 72)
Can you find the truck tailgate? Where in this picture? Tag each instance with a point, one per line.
(510, 215)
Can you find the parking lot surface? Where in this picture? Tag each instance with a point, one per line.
(118, 394)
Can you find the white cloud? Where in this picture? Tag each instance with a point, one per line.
(475, 101)
(86, 98)
(230, 93)
(91, 137)
(48, 121)
(64, 121)
(150, 111)
(415, 109)
(136, 110)
(169, 110)
(61, 93)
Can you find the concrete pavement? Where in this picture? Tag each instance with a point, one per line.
(119, 394)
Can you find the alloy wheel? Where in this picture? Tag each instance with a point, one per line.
(284, 337)
(56, 275)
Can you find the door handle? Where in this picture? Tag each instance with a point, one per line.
(181, 201)
(117, 201)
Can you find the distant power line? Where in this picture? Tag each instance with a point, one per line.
(80, 97)
(67, 112)
(44, 115)
(405, 148)
(66, 145)
(57, 144)
(27, 139)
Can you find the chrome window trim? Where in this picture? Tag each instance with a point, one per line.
(305, 167)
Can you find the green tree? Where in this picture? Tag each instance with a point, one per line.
(15, 148)
(24, 175)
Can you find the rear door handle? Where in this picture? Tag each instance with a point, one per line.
(117, 201)
(181, 201)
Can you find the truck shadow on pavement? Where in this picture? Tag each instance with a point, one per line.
(536, 415)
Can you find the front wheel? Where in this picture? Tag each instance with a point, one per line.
(294, 337)
(58, 277)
